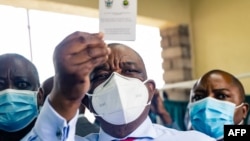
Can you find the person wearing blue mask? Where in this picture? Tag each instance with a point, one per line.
(217, 99)
(19, 96)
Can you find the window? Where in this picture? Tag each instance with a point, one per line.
(14, 31)
(47, 29)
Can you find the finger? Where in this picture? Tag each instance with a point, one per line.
(78, 49)
(86, 60)
(83, 69)
(81, 42)
(87, 67)
(100, 34)
(87, 55)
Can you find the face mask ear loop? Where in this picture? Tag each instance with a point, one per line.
(241, 122)
(144, 82)
(91, 95)
(236, 107)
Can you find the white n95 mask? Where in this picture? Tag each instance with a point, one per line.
(120, 100)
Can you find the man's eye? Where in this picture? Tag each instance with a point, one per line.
(198, 97)
(221, 96)
(22, 85)
(130, 71)
(100, 77)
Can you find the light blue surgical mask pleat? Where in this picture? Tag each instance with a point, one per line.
(209, 116)
(18, 108)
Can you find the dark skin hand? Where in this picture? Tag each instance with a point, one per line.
(157, 107)
(74, 59)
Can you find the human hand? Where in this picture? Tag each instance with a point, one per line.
(74, 59)
(157, 103)
(157, 107)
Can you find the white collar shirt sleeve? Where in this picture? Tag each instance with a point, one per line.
(50, 126)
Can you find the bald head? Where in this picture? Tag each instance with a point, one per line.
(123, 60)
(18, 73)
(216, 75)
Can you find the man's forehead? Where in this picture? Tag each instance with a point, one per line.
(124, 54)
(215, 81)
(16, 67)
(217, 78)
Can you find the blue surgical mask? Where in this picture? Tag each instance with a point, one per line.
(209, 116)
(18, 108)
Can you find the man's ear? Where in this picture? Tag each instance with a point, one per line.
(245, 110)
(151, 88)
(40, 97)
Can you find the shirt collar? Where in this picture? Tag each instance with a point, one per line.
(145, 130)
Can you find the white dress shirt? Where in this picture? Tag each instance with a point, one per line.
(50, 126)
(151, 132)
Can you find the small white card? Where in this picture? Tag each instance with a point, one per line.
(118, 19)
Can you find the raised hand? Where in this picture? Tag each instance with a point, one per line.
(157, 106)
(74, 59)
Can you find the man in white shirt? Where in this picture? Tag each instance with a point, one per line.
(83, 125)
(119, 94)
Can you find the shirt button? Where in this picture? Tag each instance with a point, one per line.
(59, 134)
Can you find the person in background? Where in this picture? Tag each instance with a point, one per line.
(19, 96)
(157, 109)
(217, 99)
(83, 125)
(118, 92)
(47, 86)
